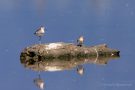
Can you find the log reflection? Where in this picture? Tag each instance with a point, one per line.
(66, 64)
(52, 65)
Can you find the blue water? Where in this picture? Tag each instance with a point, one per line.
(99, 21)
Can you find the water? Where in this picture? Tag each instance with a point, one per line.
(99, 21)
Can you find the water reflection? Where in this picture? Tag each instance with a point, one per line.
(80, 70)
(52, 65)
(67, 64)
(39, 82)
(101, 6)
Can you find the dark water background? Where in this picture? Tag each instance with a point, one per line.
(99, 21)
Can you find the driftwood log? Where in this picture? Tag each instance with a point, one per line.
(64, 56)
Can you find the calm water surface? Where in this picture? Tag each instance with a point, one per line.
(99, 21)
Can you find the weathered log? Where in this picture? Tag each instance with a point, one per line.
(65, 51)
(65, 55)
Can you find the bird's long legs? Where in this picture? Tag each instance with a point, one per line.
(39, 40)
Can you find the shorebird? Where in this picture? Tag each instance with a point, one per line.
(40, 32)
(80, 41)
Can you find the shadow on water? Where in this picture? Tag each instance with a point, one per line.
(52, 65)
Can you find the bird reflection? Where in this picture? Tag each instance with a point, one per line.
(39, 82)
(80, 70)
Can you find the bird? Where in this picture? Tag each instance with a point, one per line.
(80, 41)
(40, 32)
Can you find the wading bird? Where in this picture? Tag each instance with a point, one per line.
(40, 32)
(80, 41)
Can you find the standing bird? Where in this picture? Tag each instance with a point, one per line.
(40, 32)
(80, 41)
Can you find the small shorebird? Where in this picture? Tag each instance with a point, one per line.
(40, 32)
(80, 41)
